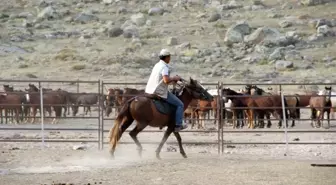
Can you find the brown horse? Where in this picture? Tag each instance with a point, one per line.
(260, 105)
(204, 108)
(11, 102)
(319, 105)
(113, 99)
(130, 93)
(23, 111)
(147, 110)
(240, 102)
(63, 96)
(292, 102)
(50, 100)
(191, 112)
(254, 90)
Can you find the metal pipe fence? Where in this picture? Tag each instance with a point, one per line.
(102, 120)
(34, 97)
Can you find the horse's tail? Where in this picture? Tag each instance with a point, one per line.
(114, 133)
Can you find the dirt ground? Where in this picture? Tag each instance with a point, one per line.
(54, 164)
(34, 163)
(29, 163)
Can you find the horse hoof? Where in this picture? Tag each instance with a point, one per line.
(184, 155)
(158, 156)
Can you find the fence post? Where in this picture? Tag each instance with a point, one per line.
(102, 117)
(42, 113)
(222, 116)
(100, 99)
(284, 120)
(77, 85)
(219, 117)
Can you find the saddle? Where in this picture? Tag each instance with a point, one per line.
(161, 105)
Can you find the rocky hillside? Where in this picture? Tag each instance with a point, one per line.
(232, 41)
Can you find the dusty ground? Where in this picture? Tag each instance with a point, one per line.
(30, 163)
(33, 165)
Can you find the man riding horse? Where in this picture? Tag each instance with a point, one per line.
(158, 84)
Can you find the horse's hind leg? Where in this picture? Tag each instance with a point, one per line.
(134, 134)
(164, 139)
(179, 140)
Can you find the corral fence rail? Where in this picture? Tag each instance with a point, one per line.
(71, 86)
(101, 118)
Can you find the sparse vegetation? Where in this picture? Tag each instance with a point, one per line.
(53, 44)
(78, 67)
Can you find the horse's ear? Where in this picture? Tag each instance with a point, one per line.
(191, 81)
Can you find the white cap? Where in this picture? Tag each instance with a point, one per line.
(164, 52)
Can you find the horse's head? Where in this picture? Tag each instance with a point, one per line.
(226, 93)
(256, 90)
(327, 93)
(8, 88)
(32, 88)
(196, 90)
(248, 88)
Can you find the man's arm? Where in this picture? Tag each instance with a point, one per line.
(166, 78)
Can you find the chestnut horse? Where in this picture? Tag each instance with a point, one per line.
(191, 112)
(204, 108)
(318, 106)
(144, 111)
(113, 99)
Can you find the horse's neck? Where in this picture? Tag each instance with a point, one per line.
(186, 99)
(237, 97)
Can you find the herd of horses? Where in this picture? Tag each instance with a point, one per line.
(248, 105)
(252, 103)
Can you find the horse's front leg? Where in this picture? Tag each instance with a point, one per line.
(328, 119)
(320, 115)
(164, 139)
(179, 140)
(33, 115)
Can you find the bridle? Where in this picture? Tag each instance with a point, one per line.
(181, 87)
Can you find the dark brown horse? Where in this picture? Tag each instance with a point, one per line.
(319, 105)
(256, 105)
(50, 100)
(63, 96)
(11, 102)
(144, 109)
(240, 102)
(23, 111)
(292, 102)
